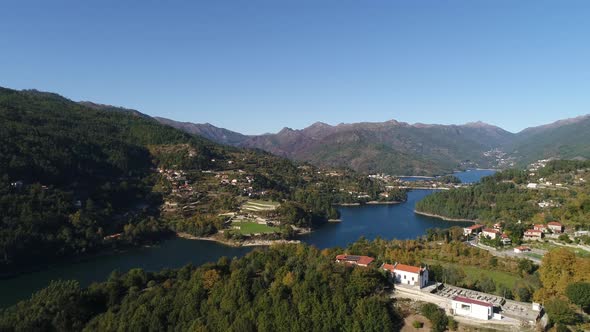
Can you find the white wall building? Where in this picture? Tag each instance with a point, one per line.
(463, 306)
(408, 275)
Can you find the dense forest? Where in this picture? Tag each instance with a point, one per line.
(70, 175)
(506, 196)
(73, 175)
(284, 288)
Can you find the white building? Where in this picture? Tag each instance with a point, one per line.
(407, 275)
(491, 233)
(463, 306)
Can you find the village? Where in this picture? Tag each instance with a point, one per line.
(470, 307)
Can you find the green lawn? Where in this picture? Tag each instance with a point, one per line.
(550, 246)
(249, 227)
(499, 277)
(473, 273)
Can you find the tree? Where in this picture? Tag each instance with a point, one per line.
(436, 316)
(579, 294)
(560, 312)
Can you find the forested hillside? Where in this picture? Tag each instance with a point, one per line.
(76, 176)
(565, 139)
(70, 174)
(561, 185)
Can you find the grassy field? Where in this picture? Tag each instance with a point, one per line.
(550, 246)
(500, 278)
(534, 255)
(473, 273)
(249, 227)
(258, 205)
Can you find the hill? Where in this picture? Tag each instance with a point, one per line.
(76, 178)
(391, 147)
(208, 131)
(564, 139)
(559, 192)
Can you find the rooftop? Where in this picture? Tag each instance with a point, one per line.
(408, 268)
(472, 301)
(362, 260)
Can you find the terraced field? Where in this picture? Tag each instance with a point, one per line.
(257, 205)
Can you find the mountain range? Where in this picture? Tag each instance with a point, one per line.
(418, 149)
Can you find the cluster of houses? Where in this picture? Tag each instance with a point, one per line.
(536, 233)
(490, 233)
(177, 179)
(225, 179)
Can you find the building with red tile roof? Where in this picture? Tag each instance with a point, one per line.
(555, 227)
(522, 249)
(540, 227)
(490, 232)
(355, 260)
(532, 234)
(407, 274)
(474, 229)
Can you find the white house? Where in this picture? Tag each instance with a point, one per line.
(532, 186)
(555, 227)
(471, 230)
(532, 234)
(491, 233)
(407, 275)
(463, 306)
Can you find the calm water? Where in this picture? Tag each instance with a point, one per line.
(469, 176)
(387, 221)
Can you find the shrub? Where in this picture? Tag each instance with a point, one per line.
(453, 325)
(436, 316)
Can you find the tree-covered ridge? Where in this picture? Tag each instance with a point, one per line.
(284, 288)
(70, 174)
(76, 178)
(562, 186)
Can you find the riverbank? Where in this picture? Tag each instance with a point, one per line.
(369, 203)
(383, 203)
(443, 217)
(233, 243)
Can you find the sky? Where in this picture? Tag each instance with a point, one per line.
(258, 66)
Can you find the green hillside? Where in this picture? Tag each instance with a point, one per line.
(77, 178)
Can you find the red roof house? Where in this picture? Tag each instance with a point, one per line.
(355, 260)
(555, 226)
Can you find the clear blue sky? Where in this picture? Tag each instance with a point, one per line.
(257, 66)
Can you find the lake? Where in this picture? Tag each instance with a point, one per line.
(387, 221)
(468, 176)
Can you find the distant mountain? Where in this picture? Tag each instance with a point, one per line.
(564, 139)
(393, 147)
(207, 130)
(417, 149)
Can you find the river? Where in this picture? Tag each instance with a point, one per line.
(387, 221)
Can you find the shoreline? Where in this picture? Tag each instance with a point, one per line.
(236, 244)
(369, 203)
(443, 217)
